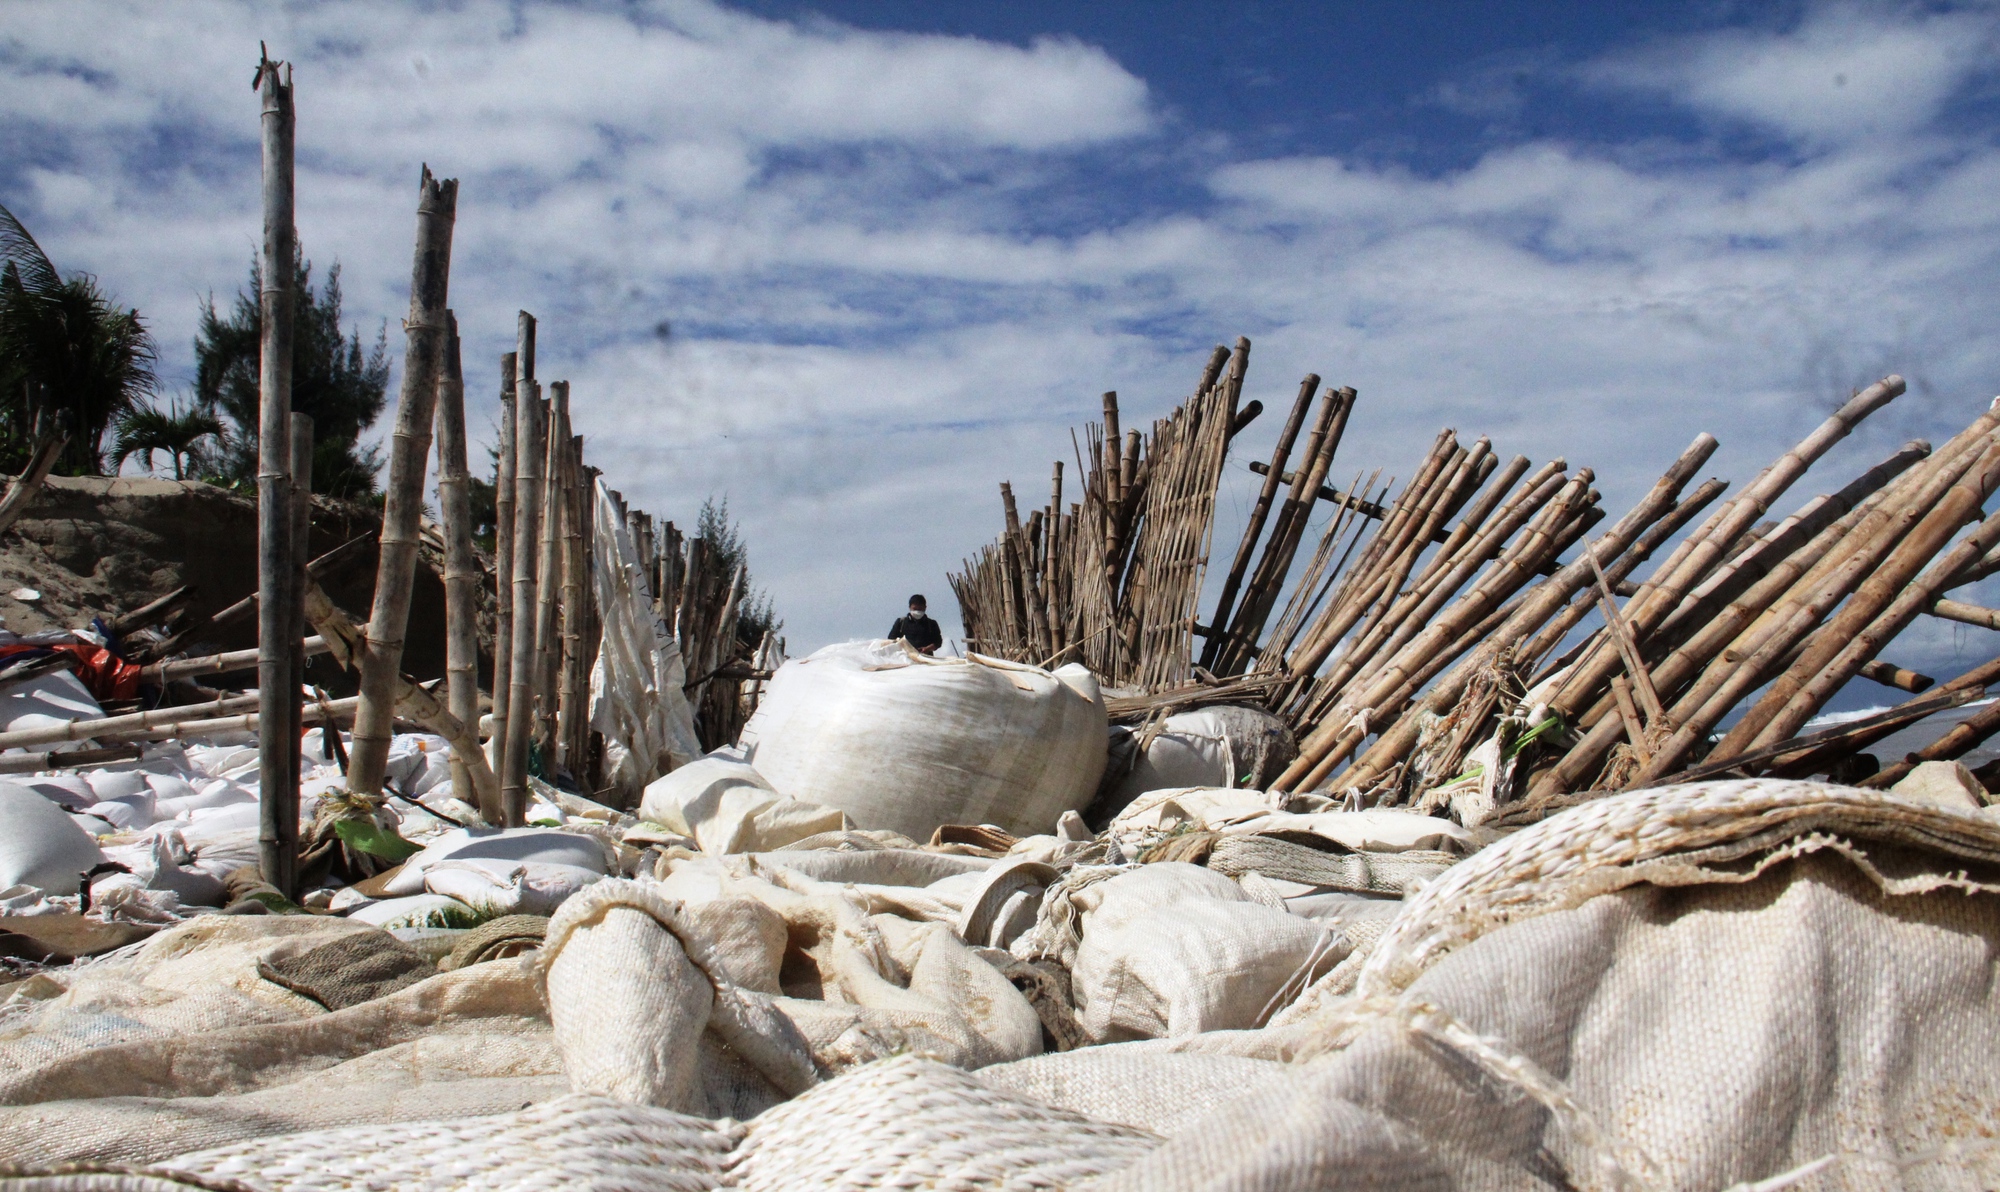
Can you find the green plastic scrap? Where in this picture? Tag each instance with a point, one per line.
(366, 836)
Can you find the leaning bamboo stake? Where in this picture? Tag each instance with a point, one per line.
(409, 453)
(331, 712)
(159, 674)
(346, 643)
(461, 564)
(503, 531)
(277, 686)
(530, 445)
(84, 730)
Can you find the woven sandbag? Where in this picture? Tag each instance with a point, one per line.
(106, 1181)
(497, 939)
(347, 970)
(1690, 988)
(632, 986)
(1366, 873)
(1173, 949)
(912, 1123)
(579, 1142)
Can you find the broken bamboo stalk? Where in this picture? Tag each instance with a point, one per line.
(409, 456)
(1259, 512)
(21, 489)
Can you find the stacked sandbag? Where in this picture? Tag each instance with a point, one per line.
(908, 743)
(1222, 746)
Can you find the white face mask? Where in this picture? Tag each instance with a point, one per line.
(916, 614)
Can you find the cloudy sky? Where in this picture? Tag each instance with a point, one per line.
(854, 263)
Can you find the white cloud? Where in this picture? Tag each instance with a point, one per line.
(1847, 71)
(875, 319)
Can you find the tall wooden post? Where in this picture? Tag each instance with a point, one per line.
(570, 711)
(277, 686)
(461, 566)
(548, 573)
(409, 455)
(503, 543)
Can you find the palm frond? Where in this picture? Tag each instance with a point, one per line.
(18, 248)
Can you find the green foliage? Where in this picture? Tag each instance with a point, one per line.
(69, 358)
(341, 387)
(755, 616)
(366, 836)
(193, 438)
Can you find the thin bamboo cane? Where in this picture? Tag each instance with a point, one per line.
(503, 531)
(301, 446)
(569, 694)
(409, 453)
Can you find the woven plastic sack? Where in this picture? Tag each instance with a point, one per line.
(1758, 983)
(41, 846)
(909, 743)
(1173, 949)
(728, 807)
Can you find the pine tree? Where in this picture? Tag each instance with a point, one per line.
(341, 387)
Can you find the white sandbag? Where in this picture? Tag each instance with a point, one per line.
(1375, 830)
(908, 743)
(39, 845)
(46, 701)
(126, 815)
(417, 910)
(1172, 950)
(728, 807)
(117, 784)
(163, 862)
(495, 888)
(69, 790)
(515, 845)
(215, 792)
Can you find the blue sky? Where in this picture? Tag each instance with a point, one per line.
(900, 248)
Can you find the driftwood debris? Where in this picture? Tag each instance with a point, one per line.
(1483, 599)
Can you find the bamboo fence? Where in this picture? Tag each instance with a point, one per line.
(1482, 598)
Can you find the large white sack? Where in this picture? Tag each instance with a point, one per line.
(728, 807)
(496, 888)
(908, 743)
(40, 845)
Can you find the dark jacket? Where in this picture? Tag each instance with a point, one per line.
(922, 633)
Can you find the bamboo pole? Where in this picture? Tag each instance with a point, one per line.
(548, 574)
(84, 730)
(328, 712)
(302, 474)
(503, 531)
(409, 453)
(461, 565)
(277, 686)
(569, 696)
(530, 446)
(162, 673)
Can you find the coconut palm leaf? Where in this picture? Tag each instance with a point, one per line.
(180, 433)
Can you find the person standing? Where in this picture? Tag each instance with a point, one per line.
(917, 628)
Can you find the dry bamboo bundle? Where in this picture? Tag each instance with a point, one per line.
(530, 446)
